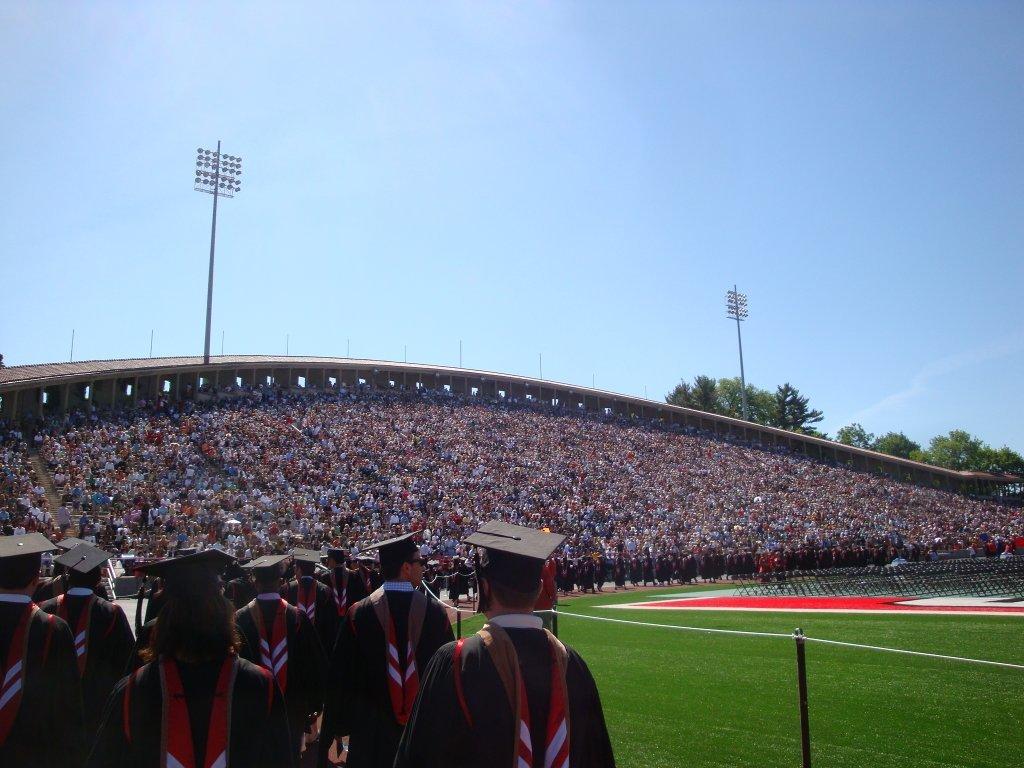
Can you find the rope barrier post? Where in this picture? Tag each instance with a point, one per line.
(554, 620)
(801, 672)
(458, 623)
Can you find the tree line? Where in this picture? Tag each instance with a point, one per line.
(787, 408)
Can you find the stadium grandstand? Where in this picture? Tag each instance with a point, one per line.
(255, 453)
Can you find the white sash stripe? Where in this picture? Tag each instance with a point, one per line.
(173, 762)
(524, 764)
(524, 735)
(394, 674)
(15, 669)
(556, 744)
(221, 761)
(9, 694)
(393, 652)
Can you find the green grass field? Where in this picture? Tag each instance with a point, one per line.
(676, 698)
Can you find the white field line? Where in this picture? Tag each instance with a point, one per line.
(879, 648)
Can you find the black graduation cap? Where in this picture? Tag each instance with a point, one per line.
(83, 558)
(29, 544)
(266, 563)
(395, 551)
(337, 554)
(191, 573)
(69, 543)
(306, 555)
(513, 555)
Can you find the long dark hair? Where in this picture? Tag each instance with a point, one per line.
(194, 628)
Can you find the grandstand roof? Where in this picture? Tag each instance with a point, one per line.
(48, 374)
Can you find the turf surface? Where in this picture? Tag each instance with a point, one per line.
(675, 698)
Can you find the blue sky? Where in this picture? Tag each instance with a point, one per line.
(583, 180)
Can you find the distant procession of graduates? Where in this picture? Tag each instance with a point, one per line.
(304, 658)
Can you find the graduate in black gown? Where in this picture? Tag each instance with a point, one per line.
(238, 589)
(347, 587)
(194, 703)
(373, 678)
(278, 637)
(512, 694)
(102, 636)
(41, 713)
(312, 597)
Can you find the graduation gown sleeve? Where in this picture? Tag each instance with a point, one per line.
(436, 733)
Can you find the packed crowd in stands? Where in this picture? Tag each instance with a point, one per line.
(267, 470)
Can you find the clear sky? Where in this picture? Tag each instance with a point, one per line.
(583, 180)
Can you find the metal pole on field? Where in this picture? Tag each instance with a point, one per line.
(554, 620)
(218, 175)
(736, 309)
(801, 672)
(458, 622)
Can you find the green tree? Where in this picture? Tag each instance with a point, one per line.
(792, 410)
(855, 435)
(681, 395)
(1002, 460)
(705, 394)
(958, 450)
(760, 402)
(702, 394)
(896, 444)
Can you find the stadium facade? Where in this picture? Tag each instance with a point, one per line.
(30, 392)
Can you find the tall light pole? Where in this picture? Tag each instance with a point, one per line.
(218, 175)
(736, 309)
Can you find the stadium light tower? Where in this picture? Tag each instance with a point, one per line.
(736, 308)
(218, 175)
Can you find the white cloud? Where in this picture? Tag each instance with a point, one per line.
(922, 381)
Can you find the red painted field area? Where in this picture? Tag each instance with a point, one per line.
(837, 604)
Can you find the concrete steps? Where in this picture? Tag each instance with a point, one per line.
(42, 475)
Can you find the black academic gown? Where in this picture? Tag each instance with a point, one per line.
(47, 588)
(141, 642)
(325, 618)
(155, 602)
(109, 643)
(240, 592)
(307, 662)
(355, 590)
(47, 731)
(438, 733)
(358, 701)
(259, 735)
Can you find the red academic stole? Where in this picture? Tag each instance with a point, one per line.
(305, 596)
(506, 661)
(176, 748)
(81, 631)
(401, 687)
(340, 598)
(12, 682)
(274, 649)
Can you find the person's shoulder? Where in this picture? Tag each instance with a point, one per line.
(250, 674)
(49, 606)
(443, 659)
(575, 664)
(51, 622)
(106, 606)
